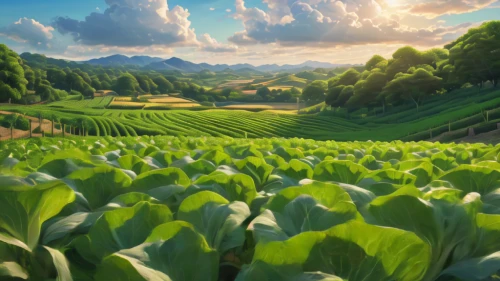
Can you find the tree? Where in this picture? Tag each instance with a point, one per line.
(264, 92)
(164, 86)
(376, 62)
(366, 92)
(127, 85)
(414, 87)
(349, 77)
(315, 92)
(12, 81)
(476, 55)
(407, 57)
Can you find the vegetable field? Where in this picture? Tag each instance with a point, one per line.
(215, 209)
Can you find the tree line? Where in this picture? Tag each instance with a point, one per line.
(412, 75)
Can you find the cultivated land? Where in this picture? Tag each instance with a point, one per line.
(444, 118)
(243, 209)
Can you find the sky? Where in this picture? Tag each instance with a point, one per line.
(237, 31)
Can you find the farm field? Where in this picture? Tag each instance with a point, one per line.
(442, 119)
(159, 101)
(220, 209)
(275, 105)
(98, 102)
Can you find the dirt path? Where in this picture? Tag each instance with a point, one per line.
(35, 123)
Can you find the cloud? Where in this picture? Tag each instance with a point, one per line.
(212, 9)
(209, 44)
(437, 8)
(97, 8)
(131, 23)
(331, 23)
(29, 31)
(228, 10)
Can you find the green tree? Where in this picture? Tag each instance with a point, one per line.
(476, 55)
(164, 86)
(349, 77)
(376, 62)
(315, 92)
(127, 85)
(264, 92)
(366, 92)
(413, 87)
(12, 81)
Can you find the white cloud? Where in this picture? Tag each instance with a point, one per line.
(209, 44)
(130, 23)
(212, 9)
(228, 10)
(331, 23)
(29, 31)
(97, 8)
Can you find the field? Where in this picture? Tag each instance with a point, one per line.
(282, 82)
(159, 101)
(98, 102)
(220, 209)
(442, 118)
(275, 105)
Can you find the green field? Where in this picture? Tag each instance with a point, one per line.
(445, 117)
(220, 209)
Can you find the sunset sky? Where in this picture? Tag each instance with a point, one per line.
(237, 31)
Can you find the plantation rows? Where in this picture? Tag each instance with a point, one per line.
(217, 123)
(215, 209)
(98, 102)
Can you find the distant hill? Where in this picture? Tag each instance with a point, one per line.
(186, 66)
(116, 60)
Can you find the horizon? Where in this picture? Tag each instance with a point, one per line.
(236, 31)
(174, 57)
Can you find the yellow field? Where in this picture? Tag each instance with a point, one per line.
(163, 99)
(276, 106)
(249, 92)
(153, 104)
(122, 99)
(125, 103)
(234, 83)
(184, 104)
(103, 93)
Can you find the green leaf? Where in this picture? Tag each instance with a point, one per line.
(340, 171)
(476, 269)
(61, 264)
(195, 168)
(353, 251)
(237, 187)
(257, 168)
(126, 227)
(24, 209)
(470, 178)
(134, 163)
(161, 177)
(12, 270)
(218, 220)
(313, 207)
(175, 251)
(100, 185)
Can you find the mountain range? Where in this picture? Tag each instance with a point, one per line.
(178, 64)
(117, 60)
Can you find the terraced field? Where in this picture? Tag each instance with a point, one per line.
(441, 118)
